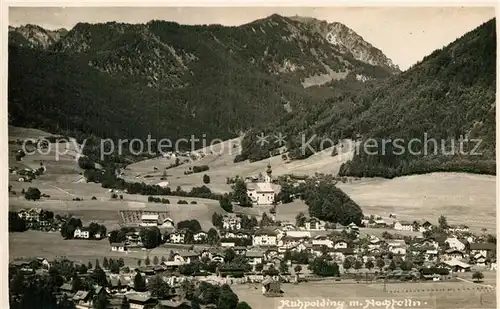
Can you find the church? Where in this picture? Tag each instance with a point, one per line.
(262, 192)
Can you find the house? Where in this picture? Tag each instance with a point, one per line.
(174, 304)
(218, 258)
(323, 241)
(403, 226)
(82, 299)
(458, 228)
(486, 249)
(186, 257)
(255, 257)
(141, 301)
(431, 255)
(314, 224)
(426, 226)
(200, 236)
(352, 228)
(480, 260)
(340, 254)
(453, 254)
(227, 243)
(380, 223)
(455, 243)
(118, 246)
(288, 242)
(231, 222)
(456, 266)
(298, 234)
(340, 244)
(149, 219)
(82, 233)
(177, 237)
(240, 250)
(264, 238)
(288, 226)
(168, 223)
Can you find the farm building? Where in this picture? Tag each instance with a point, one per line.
(403, 226)
(149, 220)
(118, 246)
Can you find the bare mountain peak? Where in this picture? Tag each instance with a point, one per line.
(35, 36)
(348, 41)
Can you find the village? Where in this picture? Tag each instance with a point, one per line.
(261, 252)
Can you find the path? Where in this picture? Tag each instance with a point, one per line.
(483, 285)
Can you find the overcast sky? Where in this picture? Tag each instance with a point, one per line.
(405, 35)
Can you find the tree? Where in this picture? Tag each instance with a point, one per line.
(101, 301)
(99, 276)
(347, 264)
(243, 305)
(158, 287)
(392, 265)
(213, 237)
(443, 223)
(188, 289)
(206, 179)
(139, 283)
(150, 237)
(225, 203)
(239, 193)
(83, 269)
(139, 262)
(89, 266)
(300, 219)
(477, 276)
(147, 261)
(227, 298)
(297, 269)
(156, 261)
(283, 268)
(105, 263)
(380, 263)
(357, 264)
(32, 194)
(369, 264)
(322, 267)
(229, 255)
(76, 284)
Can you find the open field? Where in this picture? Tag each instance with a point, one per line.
(463, 198)
(347, 291)
(222, 166)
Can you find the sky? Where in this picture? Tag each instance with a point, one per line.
(404, 34)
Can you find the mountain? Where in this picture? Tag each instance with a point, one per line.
(348, 41)
(450, 93)
(34, 36)
(170, 80)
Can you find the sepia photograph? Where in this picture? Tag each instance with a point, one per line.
(251, 157)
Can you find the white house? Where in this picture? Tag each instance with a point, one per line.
(340, 244)
(264, 238)
(458, 228)
(483, 248)
(403, 226)
(186, 257)
(200, 236)
(231, 222)
(455, 243)
(118, 246)
(149, 220)
(177, 237)
(255, 257)
(168, 223)
(83, 233)
(322, 241)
